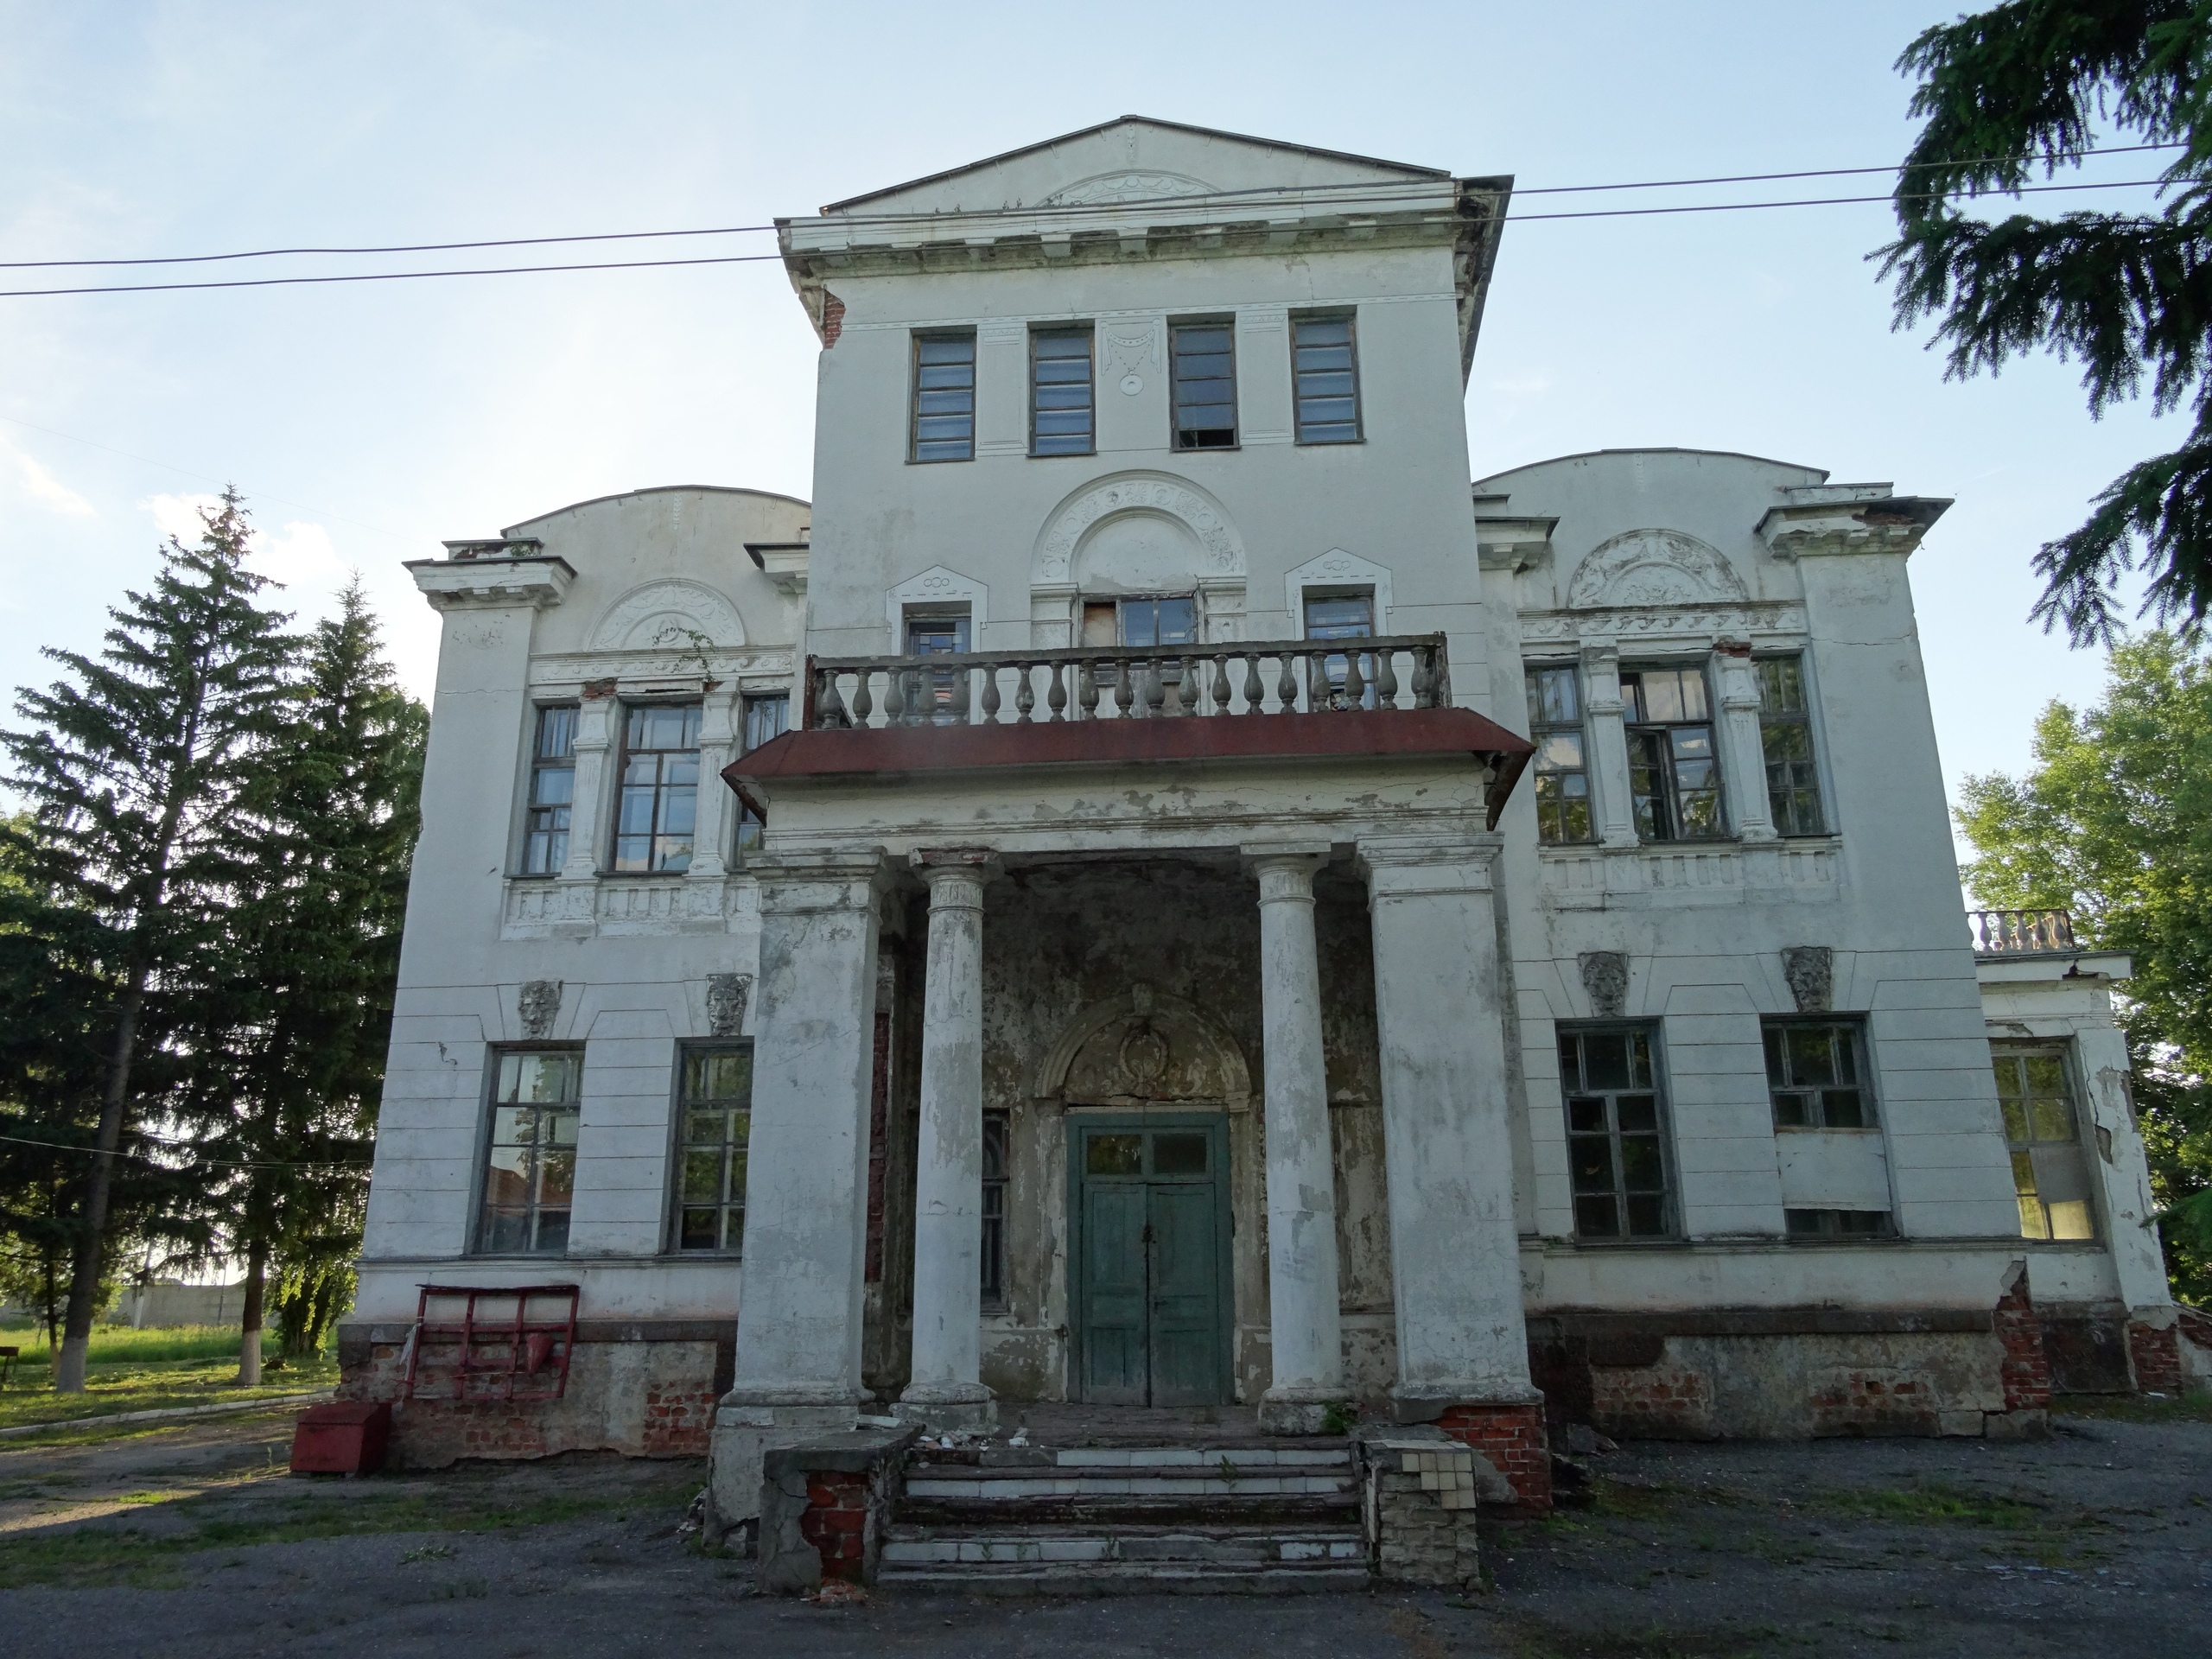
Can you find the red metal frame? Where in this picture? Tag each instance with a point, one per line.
(488, 1358)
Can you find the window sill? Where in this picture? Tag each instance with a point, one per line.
(1823, 1129)
(1669, 1242)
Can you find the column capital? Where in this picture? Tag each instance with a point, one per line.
(949, 869)
(1408, 865)
(797, 880)
(1285, 869)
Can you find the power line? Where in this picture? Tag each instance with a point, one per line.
(1092, 207)
(386, 276)
(1819, 201)
(182, 1145)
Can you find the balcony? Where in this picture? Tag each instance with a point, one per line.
(1323, 701)
(2005, 934)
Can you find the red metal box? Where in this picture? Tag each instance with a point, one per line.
(346, 1437)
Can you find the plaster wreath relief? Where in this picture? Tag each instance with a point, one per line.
(1672, 622)
(1133, 492)
(1642, 567)
(670, 613)
(1129, 350)
(1125, 187)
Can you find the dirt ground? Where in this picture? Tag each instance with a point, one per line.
(192, 1540)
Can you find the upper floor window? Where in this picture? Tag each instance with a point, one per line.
(945, 397)
(715, 1122)
(1343, 616)
(1673, 780)
(552, 791)
(659, 799)
(1814, 1073)
(1615, 1151)
(530, 1164)
(934, 633)
(2050, 1176)
(1325, 368)
(764, 718)
(1059, 392)
(1165, 619)
(1204, 363)
(1562, 769)
(1793, 783)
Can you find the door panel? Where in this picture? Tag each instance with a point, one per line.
(1186, 1327)
(1115, 1362)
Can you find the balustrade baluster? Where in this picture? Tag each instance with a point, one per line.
(1386, 677)
(1355, 687)
(863, 699)
(1086, 690)
(959, 698)
(1025, 694)
(1125, 696)
(991, 693)
(1221, 692)
(1255, 693)
(829, 707)
(894, 697)
(1155, 687)
(1056, 694)
(1424, 678)
(1287, 688)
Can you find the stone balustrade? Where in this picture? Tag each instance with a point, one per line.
(990, 688)
(2020, 932)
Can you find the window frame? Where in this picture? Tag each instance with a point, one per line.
(1579, 727)
(751, 827)
(1804, 719)
(1089, 334)
(914, 456)
(1175, 428)
(995, 1254)
(1350, 320)
(1652, 1033)
(495, 1056)
(672, 1230)
(2062, 1051)
(1631, 730)
(1862, 1059)
(623, 754)
(535, 763)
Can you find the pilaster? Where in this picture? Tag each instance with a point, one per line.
(1743, 751)
(1603, 708)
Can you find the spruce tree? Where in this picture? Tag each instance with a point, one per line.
(291, 1044)
(132, 766)
(2020, 89)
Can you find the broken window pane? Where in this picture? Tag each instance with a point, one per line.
(1673, 777)
(1813, 1070)
(2050, 1167)
(1616, 1158)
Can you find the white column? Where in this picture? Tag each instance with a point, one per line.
(1302, 1292)
(1455, 1252)
(798, 1309)
(1602, 707)
(587, 813)
(710, 832)
(1743, 751)
(946, 1388)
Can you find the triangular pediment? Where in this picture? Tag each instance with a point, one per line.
(1129, 159)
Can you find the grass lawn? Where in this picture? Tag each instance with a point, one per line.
(144, 1371)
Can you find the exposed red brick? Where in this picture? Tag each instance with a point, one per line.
(1512, 1438)
(2026, 1369)
(833, 319)
(2155, 1356)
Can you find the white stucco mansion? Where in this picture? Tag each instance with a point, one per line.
(1150, 891)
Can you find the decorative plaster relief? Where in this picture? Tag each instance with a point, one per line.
(1642, 567)
(1701, 623)
(1160, 495)
(726, 995)
(1125, 186)
(1604, 977)
(667, 614)
(538, 1003)
(1337, 569)
(1810, 971)
(937, 588)
(1131, 348)
(1145, 1045)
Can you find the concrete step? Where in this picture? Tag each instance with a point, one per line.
(1219, 1479)
(1036, 1545)
(1126, 1578)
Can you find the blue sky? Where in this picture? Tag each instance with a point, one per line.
(366, 422)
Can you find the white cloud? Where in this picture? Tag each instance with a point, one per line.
(300, 555)
(43, 487)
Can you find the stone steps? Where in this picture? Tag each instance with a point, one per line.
(1093, 1520)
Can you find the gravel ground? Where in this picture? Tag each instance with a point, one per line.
(2098, 1541)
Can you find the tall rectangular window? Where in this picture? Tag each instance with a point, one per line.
(715, 1118)
(1059, 392)
(764, 718)
(1204, 357)
(1815, 1074)
(1325, 370)
(659, 800)
(1674, 780)
(994, 1178)
(2043, 1134)
(1562, 769)
(945, 397)
(934, 633)
(1793, 783)
(552, 791)
(530, 1167)
(1343, 616)
(1615, 1147)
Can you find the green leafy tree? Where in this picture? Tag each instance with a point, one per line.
(2113, 823)
(2020, 89)
(293, 1028)
(132, 766)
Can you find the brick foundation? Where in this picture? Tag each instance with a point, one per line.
(1512, 1439)
(679, 1422)
(2026, 1369)
(836, 1522)
(2154, 1355)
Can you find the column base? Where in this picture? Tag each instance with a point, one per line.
(747, 1426)
(1304, 1410)
(1507, 1431)
(967, 1406)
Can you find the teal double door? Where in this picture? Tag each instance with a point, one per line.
(1149, 1258)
